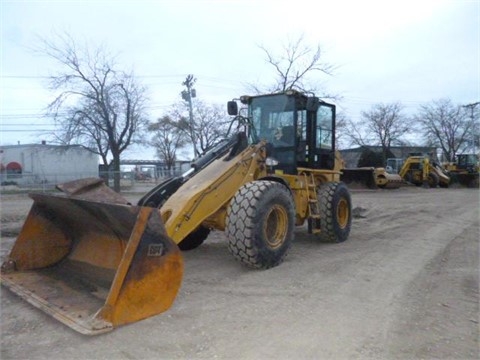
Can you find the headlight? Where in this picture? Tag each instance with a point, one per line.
(271, 161)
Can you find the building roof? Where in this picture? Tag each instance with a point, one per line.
(379, 148)
(46, 146)
(351, 156)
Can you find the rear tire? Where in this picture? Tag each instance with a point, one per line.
(260, 224)
(475, 183)
(443, 185)
(433, 180)
(335, 211)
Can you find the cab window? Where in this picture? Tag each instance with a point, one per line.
(324, 131)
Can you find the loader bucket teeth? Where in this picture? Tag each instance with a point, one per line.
(93, 265)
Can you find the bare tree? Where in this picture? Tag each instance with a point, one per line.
(341, 135)
(210, 123)
(292, 68)
(383, 125)
(96, 104)
(446, 125)
(167, 139)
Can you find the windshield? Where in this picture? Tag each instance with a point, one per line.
(469, 159)
(272, 116)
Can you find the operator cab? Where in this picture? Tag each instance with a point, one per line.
(299, 129)
(467, 162)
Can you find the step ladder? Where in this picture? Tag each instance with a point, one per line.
(314, 214)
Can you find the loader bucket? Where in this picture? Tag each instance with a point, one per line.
(359, 178)
(93, 265)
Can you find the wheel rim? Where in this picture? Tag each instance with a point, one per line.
(276, 226)
(343, 213)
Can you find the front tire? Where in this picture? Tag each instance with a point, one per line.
(335, 212)
(194, 239)
(260, 224)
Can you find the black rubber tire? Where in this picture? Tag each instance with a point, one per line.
(474, 181)
(443, 185)
(260, 224)
(409, 179)
(433, 180)
(194, 239)
(335, 211)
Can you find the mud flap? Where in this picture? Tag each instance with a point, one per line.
(93, 265)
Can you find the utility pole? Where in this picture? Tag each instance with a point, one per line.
(187, 95)
(475, 134)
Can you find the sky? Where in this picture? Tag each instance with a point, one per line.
(412, 52)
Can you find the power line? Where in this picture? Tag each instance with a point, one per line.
(26, 116)
(23, 77)
(17, 124)
(150, 76)
(25, 130)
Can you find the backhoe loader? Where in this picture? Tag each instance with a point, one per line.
(94, 262)
(420, 170)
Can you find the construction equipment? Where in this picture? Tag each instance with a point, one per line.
(370, 178)
(465, 170)
(385, 180)
(94, 262)
(359, 178)
(419, 169)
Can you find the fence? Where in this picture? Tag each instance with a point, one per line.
(46, 182)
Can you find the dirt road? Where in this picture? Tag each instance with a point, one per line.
(405, 285)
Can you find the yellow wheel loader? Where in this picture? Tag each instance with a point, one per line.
(94, 262)
(465, 171)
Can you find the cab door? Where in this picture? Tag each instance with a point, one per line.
(322, 139)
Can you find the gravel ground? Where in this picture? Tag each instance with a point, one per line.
(405, 285)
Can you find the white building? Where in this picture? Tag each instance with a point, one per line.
(46, 164)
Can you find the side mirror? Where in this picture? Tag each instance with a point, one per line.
(232, 108)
